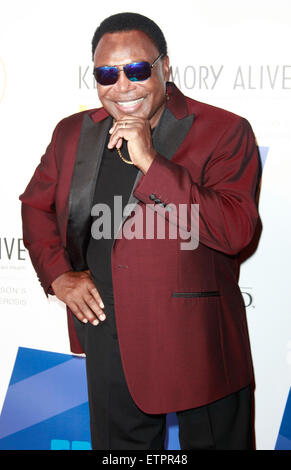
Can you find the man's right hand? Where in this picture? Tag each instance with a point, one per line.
(78, 292)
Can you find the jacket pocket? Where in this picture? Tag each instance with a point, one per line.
(212, 293)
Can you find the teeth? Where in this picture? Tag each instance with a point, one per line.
(129, 103)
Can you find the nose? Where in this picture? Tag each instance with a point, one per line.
(123, 84)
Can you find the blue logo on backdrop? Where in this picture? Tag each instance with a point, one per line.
(46, 405)
(263, 151)
(284, 437)
(46, 399)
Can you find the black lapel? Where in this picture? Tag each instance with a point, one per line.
(89, 154)
(170, 133)
(167, 138)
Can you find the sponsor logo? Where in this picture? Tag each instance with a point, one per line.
(247, 297)
(210, 77)
(12, 249)
(63, 444)
(201, 77)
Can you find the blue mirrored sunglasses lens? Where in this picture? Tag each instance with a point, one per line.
(137, 71)
(106, 75)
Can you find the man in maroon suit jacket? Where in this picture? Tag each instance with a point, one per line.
(174, 338)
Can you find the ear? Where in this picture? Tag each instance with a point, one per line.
(166, 68)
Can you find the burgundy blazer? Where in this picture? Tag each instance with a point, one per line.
(180, 314)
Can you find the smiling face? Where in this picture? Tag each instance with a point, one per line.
(145, 99)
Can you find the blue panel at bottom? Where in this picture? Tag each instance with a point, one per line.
(81, 445)
(49, 392)
(284, 437)
(32, 361)
(283, 443)
(263, 151)
(172, 438)
(60, 444)
(72, 425)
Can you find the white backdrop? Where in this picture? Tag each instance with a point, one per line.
(229, 54)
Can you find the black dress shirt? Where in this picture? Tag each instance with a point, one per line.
(115, 178)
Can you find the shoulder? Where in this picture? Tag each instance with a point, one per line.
(76, 119)
(219, 121)
(73, 123)
(212, 113)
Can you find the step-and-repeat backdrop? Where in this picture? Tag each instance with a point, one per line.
(235, 56)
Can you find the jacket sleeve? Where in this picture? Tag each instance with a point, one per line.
(225, 192)
(41, 235)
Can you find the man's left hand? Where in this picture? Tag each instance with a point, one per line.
(137, 132)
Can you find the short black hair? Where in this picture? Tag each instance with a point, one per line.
(129, 22)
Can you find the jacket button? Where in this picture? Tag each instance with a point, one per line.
(152, 197)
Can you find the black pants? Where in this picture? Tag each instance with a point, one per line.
(116, 422)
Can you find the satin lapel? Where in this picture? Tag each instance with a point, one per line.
(170, 133)
(88, 159)
(167, 138)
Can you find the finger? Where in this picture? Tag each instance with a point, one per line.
(129, 120)
(118, 135)
(132, 130)
(94, 306)
(84, 309)
(119, 143)
(74, 309)
(94, 292)
(125, 123)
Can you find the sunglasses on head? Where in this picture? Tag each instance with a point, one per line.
(135, 72)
